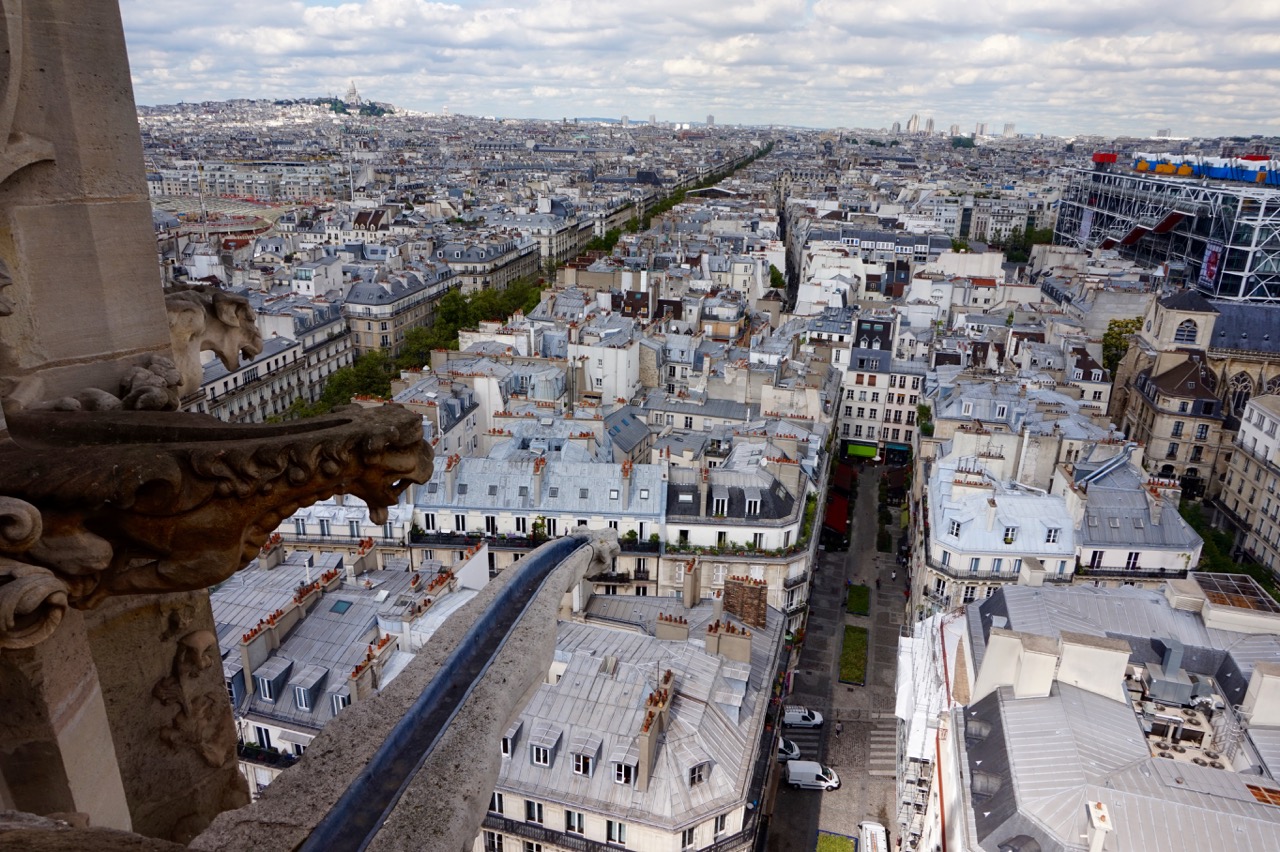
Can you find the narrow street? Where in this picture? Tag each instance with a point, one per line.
(864, 753)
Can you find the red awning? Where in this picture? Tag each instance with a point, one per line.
(837, 517)
(843, 478)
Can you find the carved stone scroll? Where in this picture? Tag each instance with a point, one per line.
(121, 502)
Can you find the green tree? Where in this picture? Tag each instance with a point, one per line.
(1115, 341)
(959, 244)
(961, 142)
(776, 279)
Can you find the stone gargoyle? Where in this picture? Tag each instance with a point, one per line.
(207, 319)
(148, 502)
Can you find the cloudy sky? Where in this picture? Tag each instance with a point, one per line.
(1198, 67)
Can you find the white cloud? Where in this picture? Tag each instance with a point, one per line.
(1109, 66)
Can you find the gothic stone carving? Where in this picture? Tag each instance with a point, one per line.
(206, 319)
(137, 502)
(32, 599)
(201, 719)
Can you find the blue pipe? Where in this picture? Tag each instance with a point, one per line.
(355, 819)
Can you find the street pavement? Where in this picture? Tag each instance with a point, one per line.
(864, 754)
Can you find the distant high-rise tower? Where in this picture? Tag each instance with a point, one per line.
(653, 119)
(928, 126)
(980, 129)
(1008, 129)
(626, 122)
(955, 130)
(913, 124)
(711, 121)
(1164, 133)
(897, 128)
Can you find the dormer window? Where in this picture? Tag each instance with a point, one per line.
(624, 773)
(1010, 535)
(542, 744)
(302, 698)
(697, 774)
(266, 689)
(953, 529)
(753, 507)
(339, 701)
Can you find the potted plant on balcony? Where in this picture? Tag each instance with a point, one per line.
(630, 537)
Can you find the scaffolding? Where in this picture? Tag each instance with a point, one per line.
(1222, 238)
(923, 697)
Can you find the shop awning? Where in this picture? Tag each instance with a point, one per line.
(862, 451)
(837, 516)
(900, 447)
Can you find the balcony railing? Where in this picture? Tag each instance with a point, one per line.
(340, 540)
(462, 540)
(251, 753)
(1136, 573)
(794, 581)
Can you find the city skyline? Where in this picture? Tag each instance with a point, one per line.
(1090, 68)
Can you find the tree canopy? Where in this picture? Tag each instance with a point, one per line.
(371, 373)
(776, 279)
(1115, 341)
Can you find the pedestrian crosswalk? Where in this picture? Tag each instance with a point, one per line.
(808, 739)
(883, 738)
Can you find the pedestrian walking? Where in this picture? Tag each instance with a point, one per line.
(839, 728)
(877, 584)
(893, 575)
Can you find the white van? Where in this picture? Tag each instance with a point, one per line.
(787, 750)
(801, 717)
(811, 775)
(874, 837)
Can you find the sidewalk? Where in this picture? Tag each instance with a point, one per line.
(865, 753)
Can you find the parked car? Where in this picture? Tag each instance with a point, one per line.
(811, 775)
(801, 717)
(787, 750)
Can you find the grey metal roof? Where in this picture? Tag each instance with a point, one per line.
(1047, 757)
(608, 703)
(1118, 513)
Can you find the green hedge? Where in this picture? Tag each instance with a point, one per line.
(835, 843)
(859, 600)
(853, 656)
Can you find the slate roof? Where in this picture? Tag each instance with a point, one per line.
(1189, 300)
(1249, 326)
(716, 717)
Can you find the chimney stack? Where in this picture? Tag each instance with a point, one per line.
(627, 465)
(1099, 825)
(703, 475)
(653, 727)
(538, 465)
(451, 466)
(1261, 705)
(691, 589)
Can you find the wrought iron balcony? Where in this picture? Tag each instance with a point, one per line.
(1135, 573)
(251, 753)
